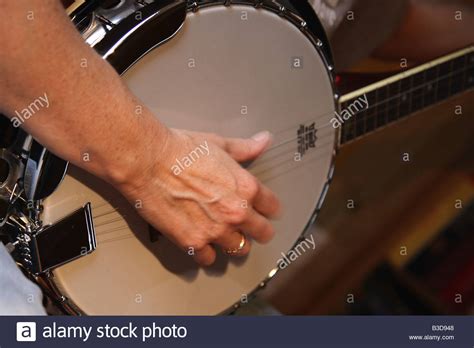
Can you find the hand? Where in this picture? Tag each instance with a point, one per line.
(197, 194)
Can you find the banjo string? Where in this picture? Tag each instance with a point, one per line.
(258, 171)
(291, 158)
(110, 221)
(125, 226)
(266, 158)
(116, 239)
(118, 228)
(253, 170)
(114, 209)
(394, 97)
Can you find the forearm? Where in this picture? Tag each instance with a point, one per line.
(429, 30)
(90, 117)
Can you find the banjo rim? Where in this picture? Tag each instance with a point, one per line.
(114, 43)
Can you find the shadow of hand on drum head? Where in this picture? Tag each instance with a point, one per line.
(116, 221)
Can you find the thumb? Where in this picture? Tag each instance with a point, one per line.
(243, 150)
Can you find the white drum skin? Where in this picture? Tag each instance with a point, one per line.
(233, 71)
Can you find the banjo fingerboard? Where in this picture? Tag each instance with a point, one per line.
(387, 101)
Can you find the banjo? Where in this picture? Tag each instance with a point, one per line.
(228, 67)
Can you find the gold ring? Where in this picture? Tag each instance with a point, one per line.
(235, 251)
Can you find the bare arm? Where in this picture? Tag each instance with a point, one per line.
(429, 30)
(91, 112)
(88, 103)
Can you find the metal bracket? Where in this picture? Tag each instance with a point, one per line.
(52, 246)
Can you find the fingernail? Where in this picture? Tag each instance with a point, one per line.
(261, 136)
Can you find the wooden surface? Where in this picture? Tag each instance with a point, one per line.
(391, 198)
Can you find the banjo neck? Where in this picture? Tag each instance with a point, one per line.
(382, 103)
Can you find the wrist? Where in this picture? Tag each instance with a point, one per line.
(145, 151)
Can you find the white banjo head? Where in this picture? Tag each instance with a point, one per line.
(230, 70)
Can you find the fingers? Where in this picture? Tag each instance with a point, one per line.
(240, 149)
(229, 241)
(243, 150)
(242, 204)
(258, 195)
(257, 227)
(266, 202)
(232, 241)
(205, 256)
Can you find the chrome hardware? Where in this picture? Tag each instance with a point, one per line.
(42, 248)
(21, 247)
(34, 174)
(15, 194)
(105, 21)
(26, 258)
(68, 239)
(108, 4)
(156, 24)
(13, 155)
(15, 167)
(102, 20)
(281, 10)
(43, 172)
(142, 3)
